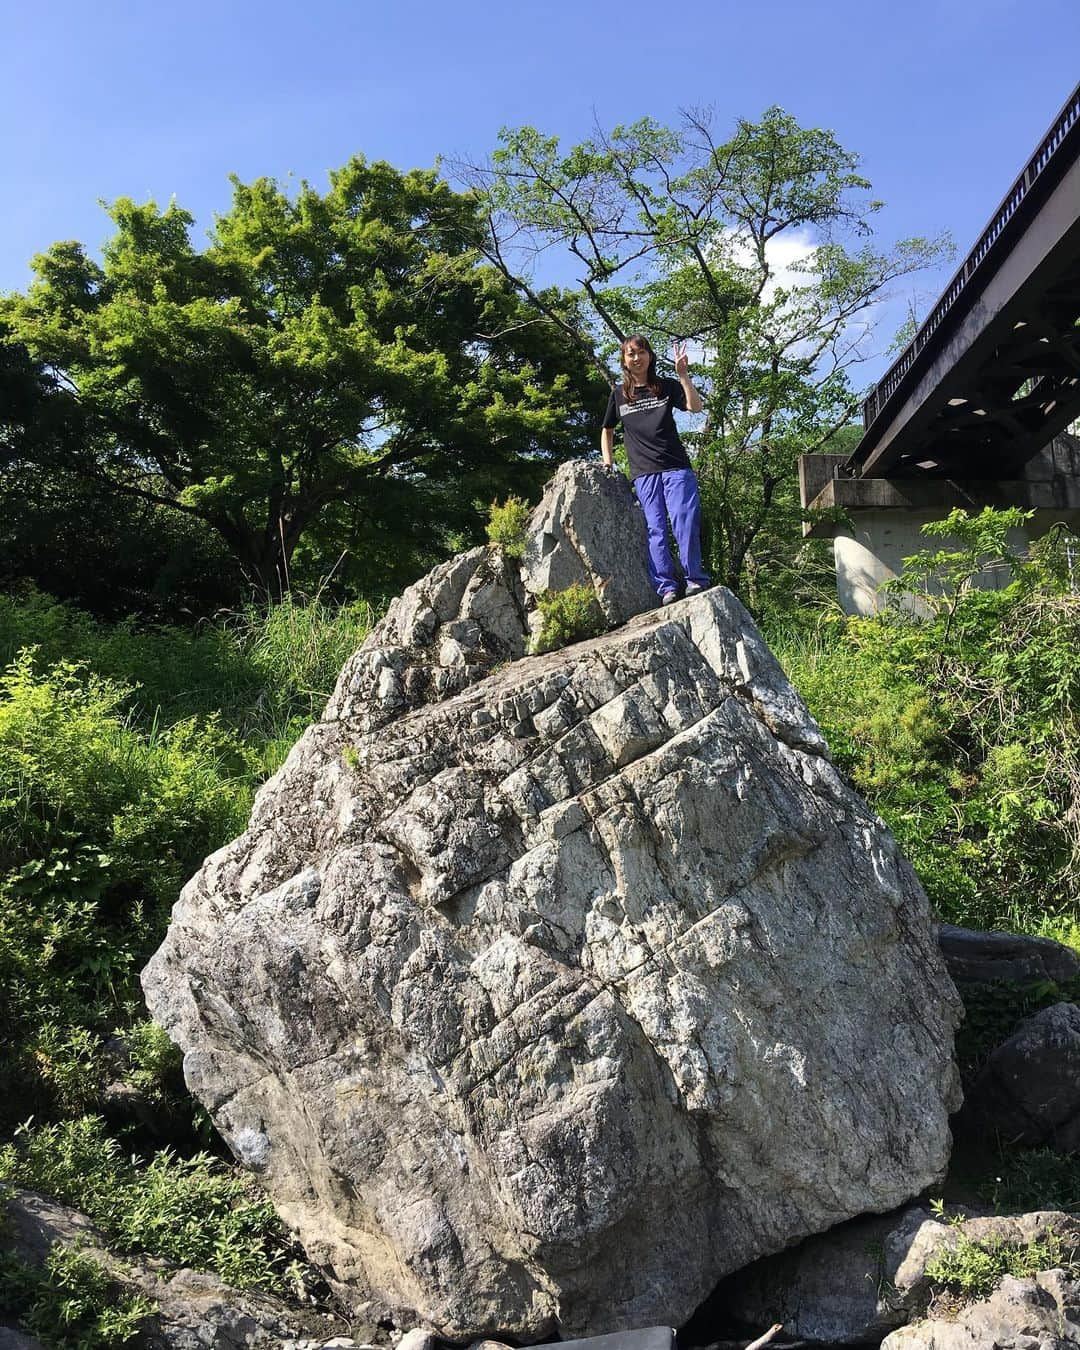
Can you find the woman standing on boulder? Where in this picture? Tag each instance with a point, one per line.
(664, 482)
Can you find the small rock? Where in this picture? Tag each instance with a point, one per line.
(417, 1339)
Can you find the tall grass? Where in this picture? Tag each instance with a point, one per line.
(294, 653)
(126, 756)
(256, 668)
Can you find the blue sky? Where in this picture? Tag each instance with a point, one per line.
(943, 99)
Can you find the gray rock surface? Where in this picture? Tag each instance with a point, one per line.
(1028, 1091)
(548, 1004)
(478, 610)
(981, 958)
(1041, 1313)
(195, 1310)
(439, 636)
(856, 1283)
(589, 530)
(416, 1339)
(850, 1285)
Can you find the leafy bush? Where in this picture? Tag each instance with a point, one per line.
(99, 826)
(170, 672)
(71, 1303)
(156, 1064)
(972, 1269)
(111, 794)
(260, 670)
(570, 615)
(119, 772)
(194, 1211)
(963, 730)
(506, 526)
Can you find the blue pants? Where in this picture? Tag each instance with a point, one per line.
(672, 494)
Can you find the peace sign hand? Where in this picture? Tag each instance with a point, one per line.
(682, 361)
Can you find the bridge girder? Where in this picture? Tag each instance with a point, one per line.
(994, 374)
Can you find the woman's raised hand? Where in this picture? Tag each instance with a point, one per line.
(682, 361)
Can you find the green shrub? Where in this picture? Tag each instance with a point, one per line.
(506, 526)
(191, 1211)
(570, 615)
(166, 673)
(156, 1064)
(99, 826)
(71, 1302)
(972, 1270)
(963, 731)
(126, 756)
(258, 669)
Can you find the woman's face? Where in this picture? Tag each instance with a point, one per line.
(636, 361)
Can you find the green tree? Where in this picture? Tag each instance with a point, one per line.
(753, 248)
(64, 529)
(321, 347)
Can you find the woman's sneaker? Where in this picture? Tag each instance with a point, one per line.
(669, 597)
(692, 587)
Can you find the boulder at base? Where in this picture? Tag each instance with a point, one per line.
(982, 958)
(544, 1006)
(868, 1277)
(1028, 1091)
(1038, 1313)
(191, 1309)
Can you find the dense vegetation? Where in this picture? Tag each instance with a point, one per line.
(126, 755)
(961, 727)
(334, 389)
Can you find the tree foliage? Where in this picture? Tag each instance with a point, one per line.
(325, 352)
(755, 248)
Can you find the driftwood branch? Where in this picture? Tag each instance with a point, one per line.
(763, 1340)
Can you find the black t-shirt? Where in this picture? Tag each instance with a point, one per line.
(652, 442)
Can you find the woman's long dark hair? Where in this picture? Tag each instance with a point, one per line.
(651, 377)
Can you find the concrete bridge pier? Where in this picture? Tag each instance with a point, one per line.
(875, 523)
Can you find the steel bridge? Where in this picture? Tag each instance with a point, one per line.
(993, 373)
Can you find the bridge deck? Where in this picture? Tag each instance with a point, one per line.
(993, 374)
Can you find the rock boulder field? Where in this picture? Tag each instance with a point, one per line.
(544, 993)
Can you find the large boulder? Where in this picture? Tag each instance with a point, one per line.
(544, 1006)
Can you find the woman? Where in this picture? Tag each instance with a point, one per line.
(664, 482)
